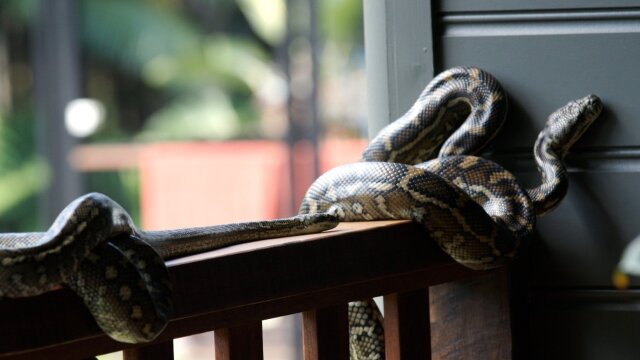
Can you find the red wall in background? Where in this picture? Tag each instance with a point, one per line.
(198, 184)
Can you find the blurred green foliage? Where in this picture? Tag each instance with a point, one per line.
(164, 70)
(23, 174)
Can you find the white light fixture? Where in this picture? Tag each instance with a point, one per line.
(83, 117)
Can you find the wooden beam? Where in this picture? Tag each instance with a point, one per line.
(104, 157)
(245, 283)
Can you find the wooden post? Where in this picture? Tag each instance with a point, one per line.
(159, 351)
(242, 342)
(407, 326)
(326, 333)
(471, 318)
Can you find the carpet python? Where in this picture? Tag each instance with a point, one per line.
(420, 167)
(424, 167)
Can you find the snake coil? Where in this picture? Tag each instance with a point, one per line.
(424, 167)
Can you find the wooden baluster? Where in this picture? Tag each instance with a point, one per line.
(325, 333)
(407, 326)
(471, 318)
(159, 351)
(242, 342)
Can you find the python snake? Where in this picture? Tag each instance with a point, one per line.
(424, 167)
(420, 167)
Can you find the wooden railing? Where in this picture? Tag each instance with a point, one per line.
(231, 290)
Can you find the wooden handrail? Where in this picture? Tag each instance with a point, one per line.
(241, 285)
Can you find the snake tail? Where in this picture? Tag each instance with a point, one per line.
(175, 243)
(563, 128)
(366, 331)
(459, 111)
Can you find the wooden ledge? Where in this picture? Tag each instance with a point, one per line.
(246, 283)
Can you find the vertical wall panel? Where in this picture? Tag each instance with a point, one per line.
(399, 56)
(545, 53)
(545, 59)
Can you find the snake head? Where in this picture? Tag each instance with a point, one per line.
(584, 110)
(567, 124)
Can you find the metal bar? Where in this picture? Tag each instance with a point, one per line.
(302, 105)
(316, 127)
(57, 80)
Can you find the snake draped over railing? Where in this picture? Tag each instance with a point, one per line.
(425, 167)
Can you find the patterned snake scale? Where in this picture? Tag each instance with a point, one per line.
(420, 167)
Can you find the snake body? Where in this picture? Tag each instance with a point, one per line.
(423, 167)
(459, 112)
(118, 270)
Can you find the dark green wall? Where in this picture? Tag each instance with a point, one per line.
(544, 53)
